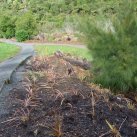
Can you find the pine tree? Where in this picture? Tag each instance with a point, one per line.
(113, 45)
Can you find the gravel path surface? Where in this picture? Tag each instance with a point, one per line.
(8, 75)
(8, 67)
(16, 79)
(48, 43)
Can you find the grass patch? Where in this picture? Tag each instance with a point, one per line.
(50, 49)
(7, 51)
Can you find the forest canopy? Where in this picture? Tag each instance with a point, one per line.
(49, 15)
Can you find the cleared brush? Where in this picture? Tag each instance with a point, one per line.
(20, 117)
(57, 128)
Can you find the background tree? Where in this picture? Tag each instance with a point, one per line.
(26, 25)
(7, 25)
(56, 12)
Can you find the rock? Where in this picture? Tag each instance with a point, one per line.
(57, 39)
(58, 53)
(134, 125)
(40, 36)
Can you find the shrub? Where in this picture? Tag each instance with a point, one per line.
(7, 26)
(26, 22)
(114, 49)
(10, 32)
(22, 35)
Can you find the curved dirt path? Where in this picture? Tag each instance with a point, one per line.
(9, 66)
(45, 43)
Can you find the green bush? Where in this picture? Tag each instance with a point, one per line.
(7, 26)
(10, 32)
(26, 22)
(22, 35)
(113, 46)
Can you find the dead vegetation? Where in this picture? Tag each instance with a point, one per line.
(57, 101)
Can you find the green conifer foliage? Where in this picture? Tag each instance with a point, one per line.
(113, 45)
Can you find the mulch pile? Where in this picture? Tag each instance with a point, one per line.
(55, 100)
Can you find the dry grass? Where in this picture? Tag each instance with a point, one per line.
(113, 130)
(131, 105)
(21, 116)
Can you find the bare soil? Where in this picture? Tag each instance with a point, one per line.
(55, 100)
(53, 42)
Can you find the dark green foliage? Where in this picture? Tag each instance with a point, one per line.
(22, 35)
(26, 22)
(7, 26)
(114, 49)
(54, 12)
(10, 32)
